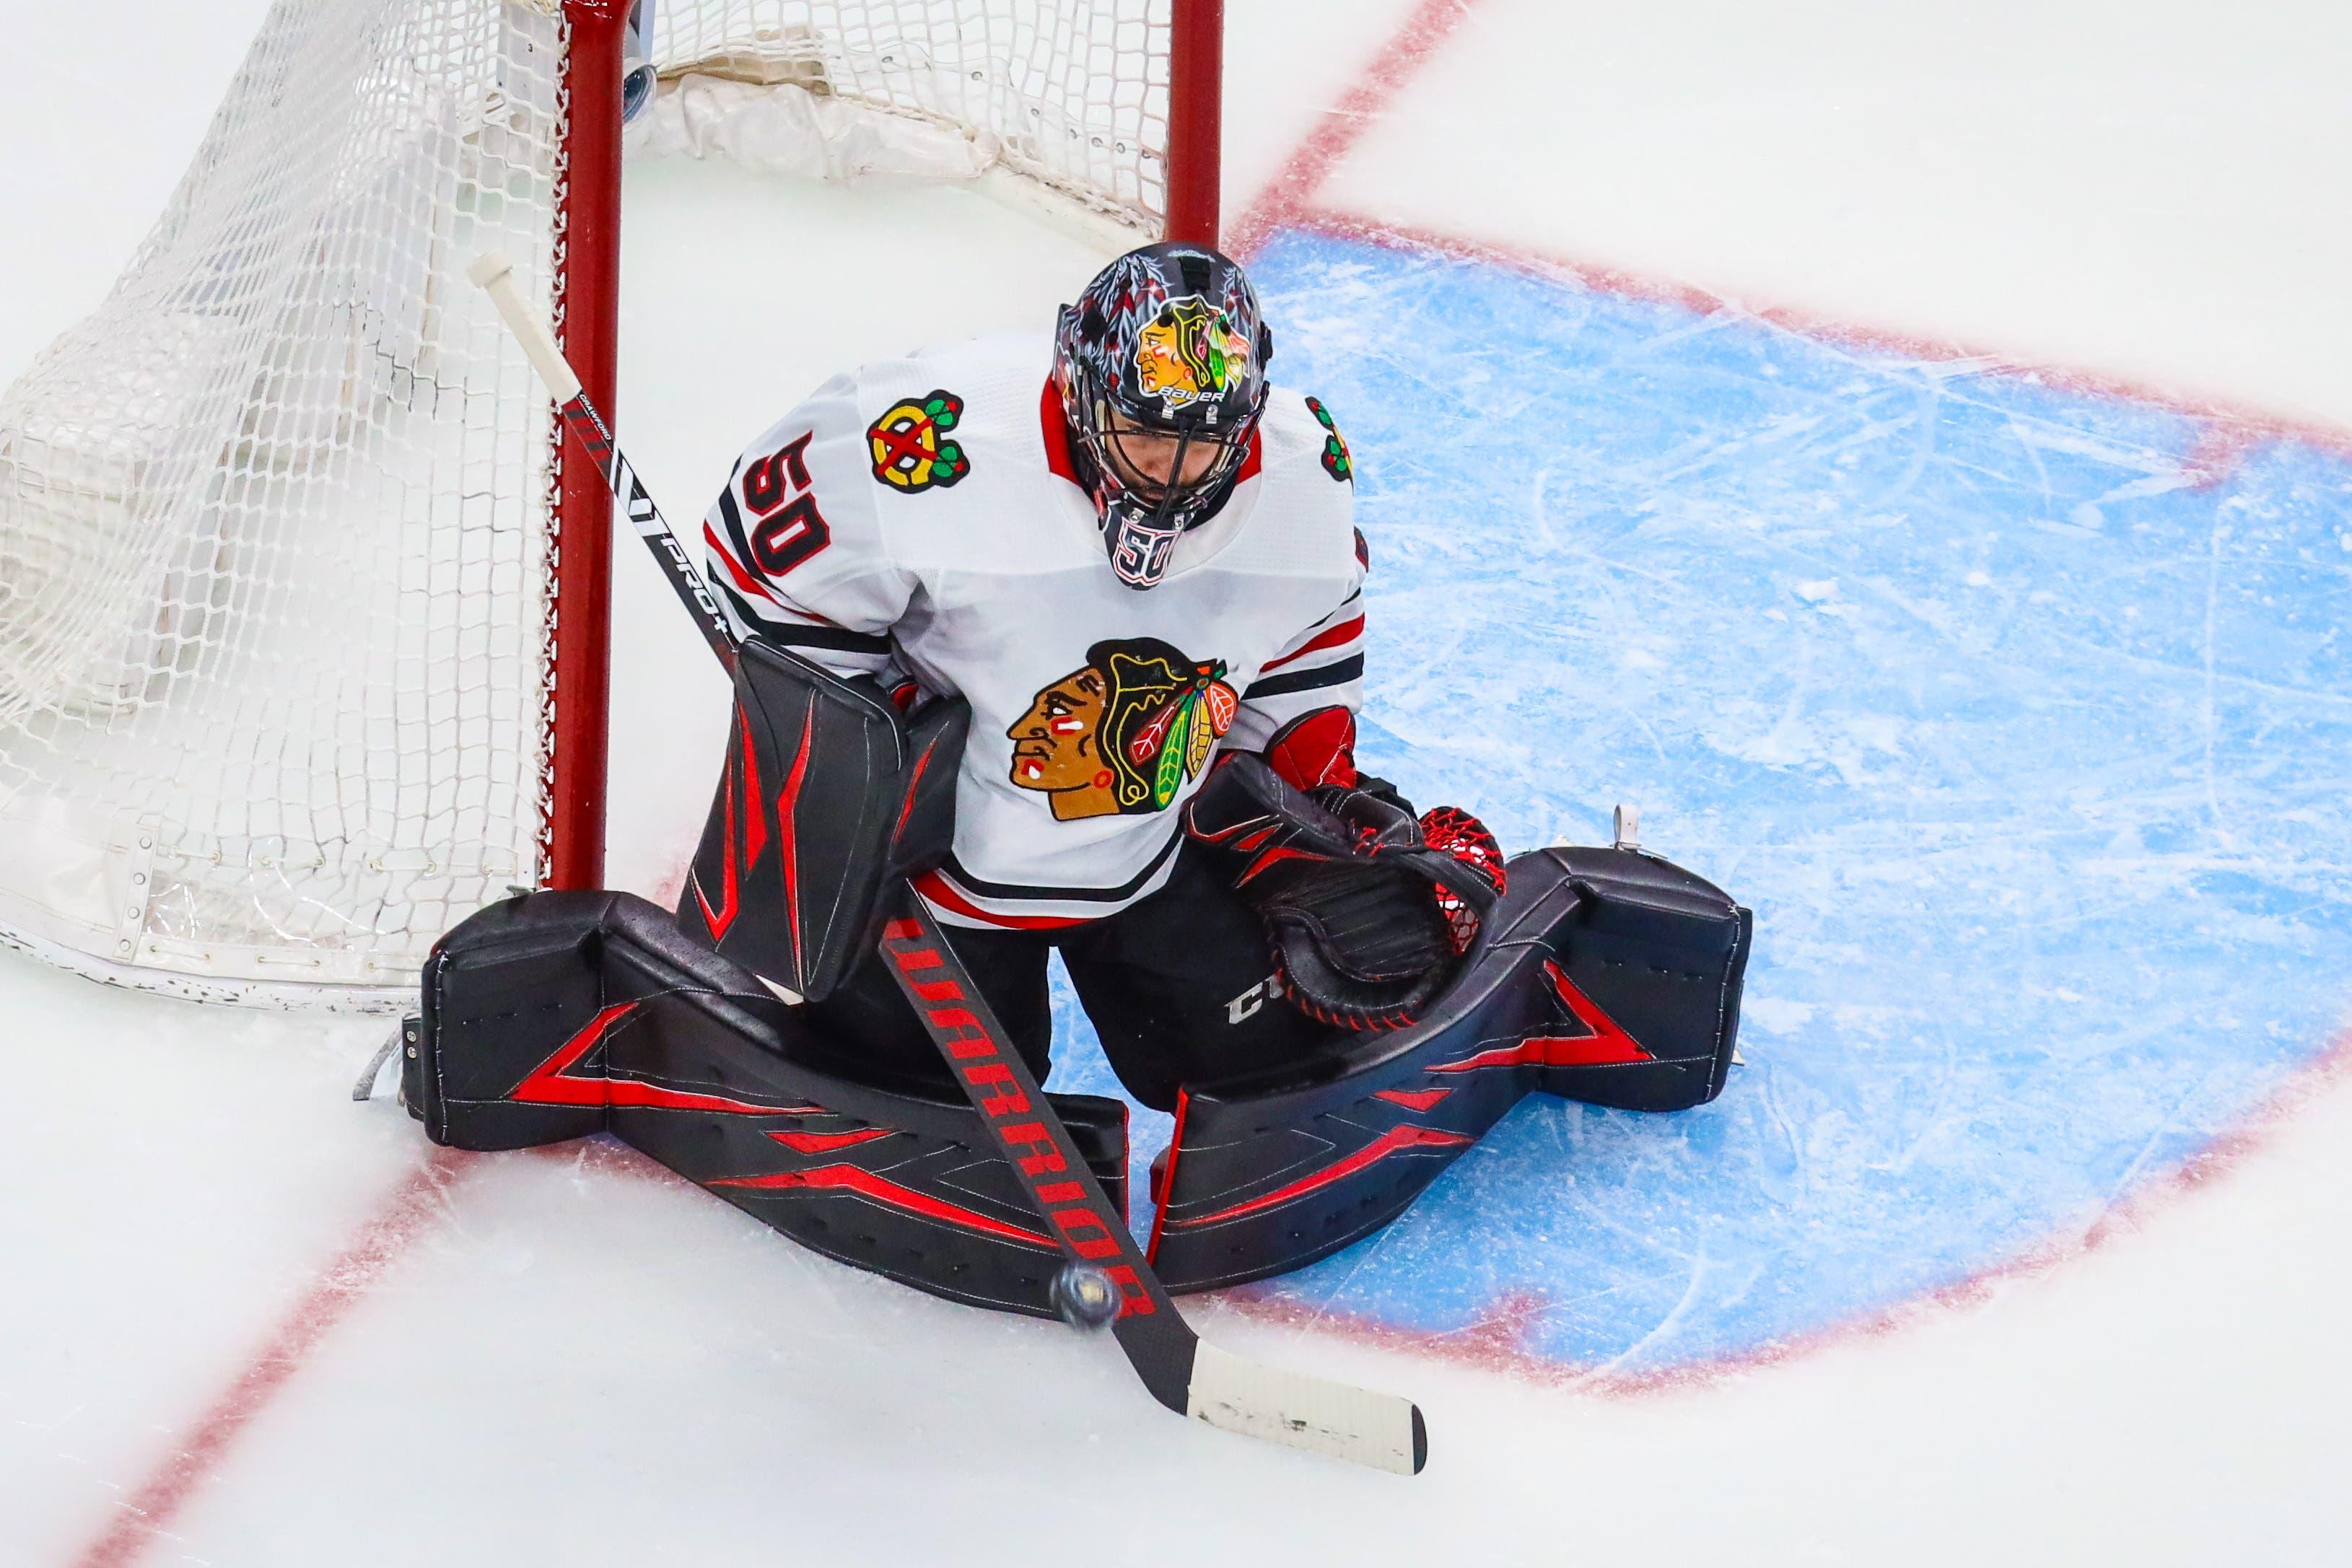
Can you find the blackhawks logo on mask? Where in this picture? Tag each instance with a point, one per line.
(1124, 732)
(1188, 352)
(909, 443)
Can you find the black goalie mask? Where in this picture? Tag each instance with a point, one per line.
(1162, 368)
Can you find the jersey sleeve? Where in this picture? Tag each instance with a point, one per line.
(1322, 667)
(794, 546)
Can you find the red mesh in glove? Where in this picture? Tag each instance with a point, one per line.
(1465, 837)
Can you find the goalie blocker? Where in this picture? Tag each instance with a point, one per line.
(829, 798)
(1603, 974)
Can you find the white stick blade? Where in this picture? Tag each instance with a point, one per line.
(1301, 1411)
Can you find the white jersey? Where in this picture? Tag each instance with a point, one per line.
(920, 519)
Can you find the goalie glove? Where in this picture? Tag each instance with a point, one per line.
(1317, 750)
(1368, 909)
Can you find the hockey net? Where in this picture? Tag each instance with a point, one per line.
(280, 528)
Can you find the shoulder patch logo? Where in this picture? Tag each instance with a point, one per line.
(1122, 734)
(910, 447)
(1335, 445)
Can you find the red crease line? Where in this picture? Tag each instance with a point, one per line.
(2239, 427)
(381, 1241)
(1344, 124)
(1496, 1342)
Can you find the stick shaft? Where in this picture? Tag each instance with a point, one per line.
(1295, 1409)
(1031, 1136)
(495, 275)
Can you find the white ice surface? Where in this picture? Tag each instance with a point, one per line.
(2151, 192)
(582, 1361)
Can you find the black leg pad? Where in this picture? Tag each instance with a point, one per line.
(558, 1015)
(1607, 976)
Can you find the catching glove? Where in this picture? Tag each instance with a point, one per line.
(1368, 909)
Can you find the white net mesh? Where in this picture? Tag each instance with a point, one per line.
(275, 534)
(1072, 93)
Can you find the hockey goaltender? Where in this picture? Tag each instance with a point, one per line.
(1064, 640)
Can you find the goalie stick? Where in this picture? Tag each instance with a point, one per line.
(494, 274)
(1183, 1374)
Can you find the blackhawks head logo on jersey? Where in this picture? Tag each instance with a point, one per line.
(1124, 732)
(1188, 353)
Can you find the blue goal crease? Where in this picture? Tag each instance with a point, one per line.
(2028, 740)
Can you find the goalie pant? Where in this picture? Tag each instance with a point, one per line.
(1178, 987)
(1608, 976)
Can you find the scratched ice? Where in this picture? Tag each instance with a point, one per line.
(2020, 717)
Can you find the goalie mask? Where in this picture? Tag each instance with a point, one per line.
(1161, 370)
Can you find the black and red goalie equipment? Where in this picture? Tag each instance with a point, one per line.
(1605, 975)
(827, 801)
(1368, 910)
(560, 1015)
